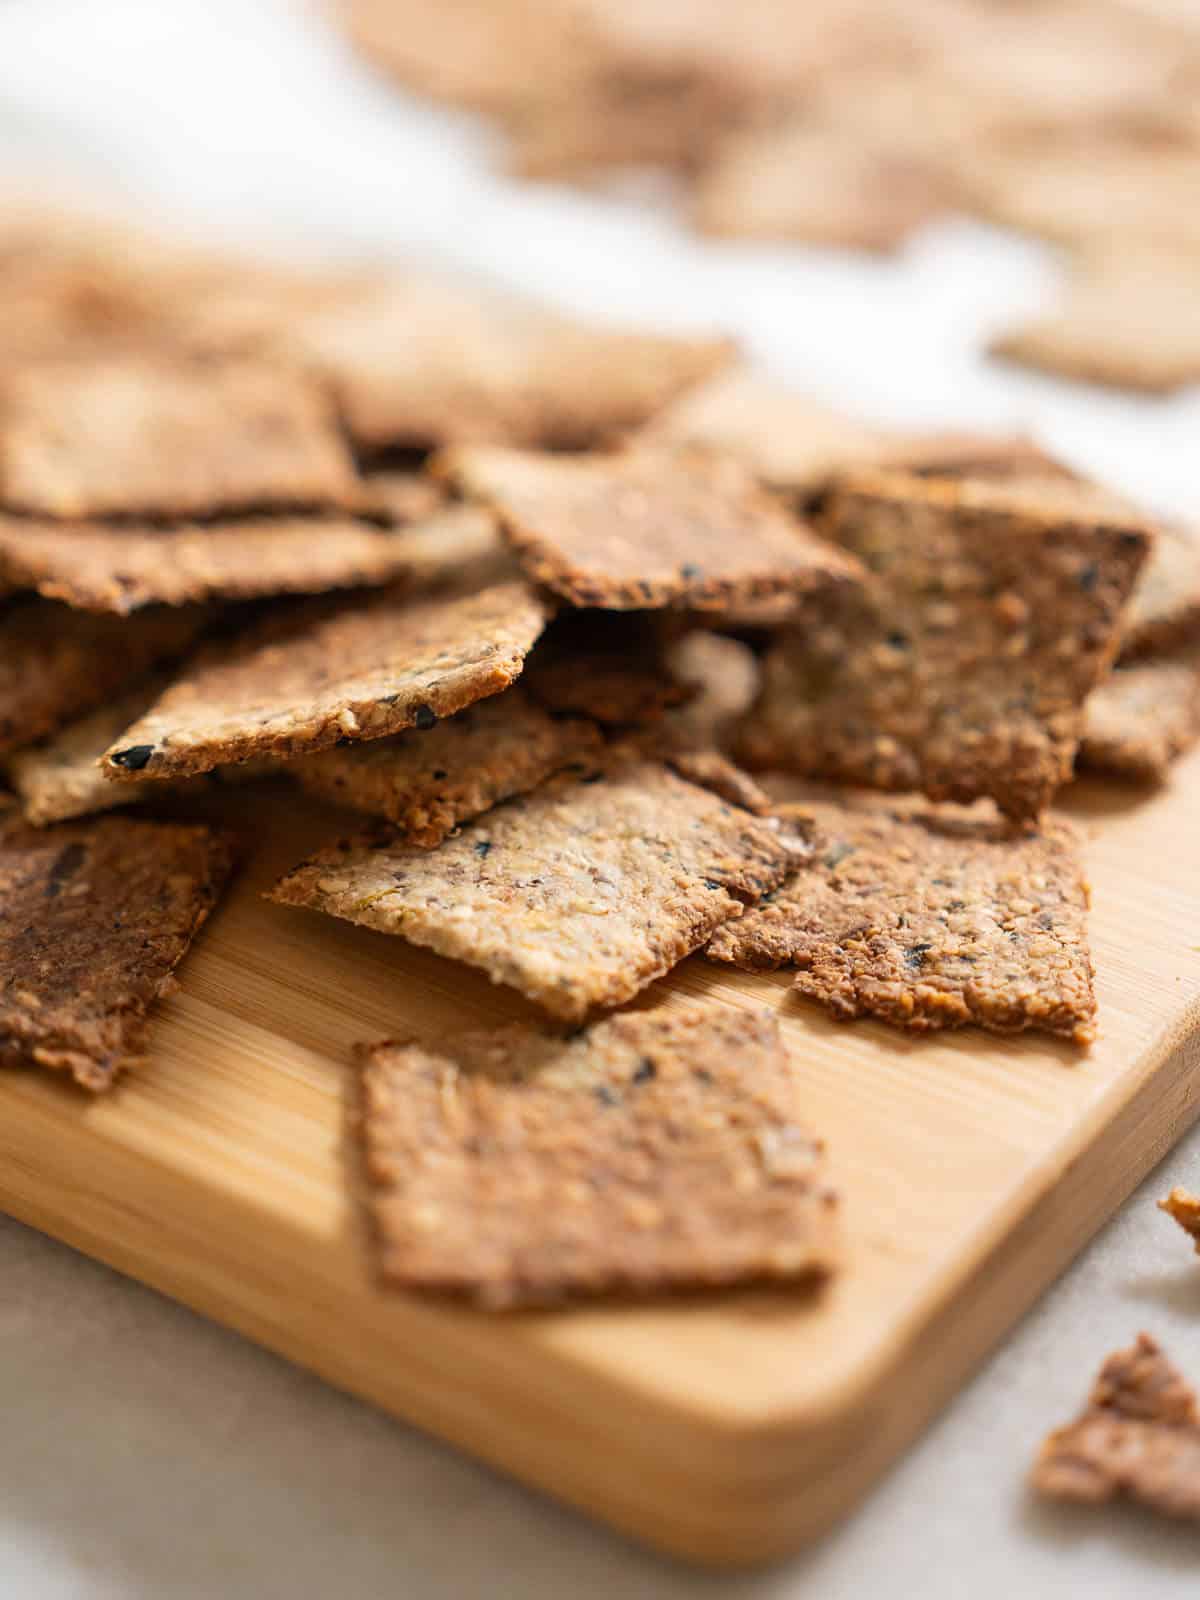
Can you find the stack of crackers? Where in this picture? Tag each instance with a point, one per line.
(853, 123)
(619, 653)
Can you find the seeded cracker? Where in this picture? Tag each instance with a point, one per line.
(578, 894)
(648, 1153)
(1138, 1437)
(609, 666)
(1164, 611)
(645, 530)
(156, 435)
(1184, 1208)
(927, 920)
(94, 917)
(359, 671)
(963, 669)
(1143, 717)
(429, 783)
(56, 664)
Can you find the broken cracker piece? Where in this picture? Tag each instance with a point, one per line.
(94, 917)
(358, 671)
(430, 783)
(646, 529)
(578, 895)
(929, 920)
(1143, 718)
(1184, 1207)
(56, 664)
(650, 1152)
(963, 668)
(1164, 610)
(1138, 1437)
(162, 435)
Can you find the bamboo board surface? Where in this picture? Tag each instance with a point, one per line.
(728, 1429)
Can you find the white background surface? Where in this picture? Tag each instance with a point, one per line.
(144, 1452)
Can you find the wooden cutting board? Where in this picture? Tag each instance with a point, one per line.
(728, 1429)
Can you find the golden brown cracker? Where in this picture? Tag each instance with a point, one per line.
(1183, 1207)
(1144, 717)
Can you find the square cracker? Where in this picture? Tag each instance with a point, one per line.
(1138, 1437)
(1143, 717)
(145, 434)
(56, 664)
(94, 917)
(928, 920)
(652, 1151)
(646, 529)
(302, 681)
(578, 894)
(430, 361)
(430, 783)
(122, 568)
(962, 670)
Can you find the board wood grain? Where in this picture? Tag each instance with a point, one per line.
(728, 1428)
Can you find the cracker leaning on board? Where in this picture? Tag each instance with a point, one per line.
(529, 664)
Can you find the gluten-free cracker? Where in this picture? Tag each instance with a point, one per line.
(1164, 609)
(962, 668)
(646, 529)
(163, 435)
(578, 895)
(1138, 1438)
(649, 1152)
(358, 671)
(1143, 717)
(930, 920)
(94, 917)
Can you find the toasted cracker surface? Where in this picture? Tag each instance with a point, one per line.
(609, 666)
(645, 529)
(94, 918)
(162, 435)
(1143, 717)
(930, 920)
(963, 668)
(429, 783)
(578, 894)
(1184, 1208)
(357, 671)
(1138, 1437)
(1164, 610)
(649, 1152)
(56, 664)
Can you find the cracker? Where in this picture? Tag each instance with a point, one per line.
(1164, 611)
(56, 664)
(121, 568)
(358, 671)
(651, 1152)
(160, 435)
(725, 675)
(928, 920)
(817, 183)
(1184, 1208)
(424, 362)
(430, 783)
(578, 895)
(963, 669)
(644, 530)
(63, 777)
(610, 667)
(1137, 1438)
(1128, 317)
(1143, 717)
(398, 498)
(796, 444)
(94, 917)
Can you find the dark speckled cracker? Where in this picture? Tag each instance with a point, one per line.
(1137, 1438)
(648, 529)
(56, 664)
(430, 783)
(930, 920)
(963, 668)
(1143, 717)
(653, 1151)
(357, 671)
(159, 435)
(578, 894)
(94, 917)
